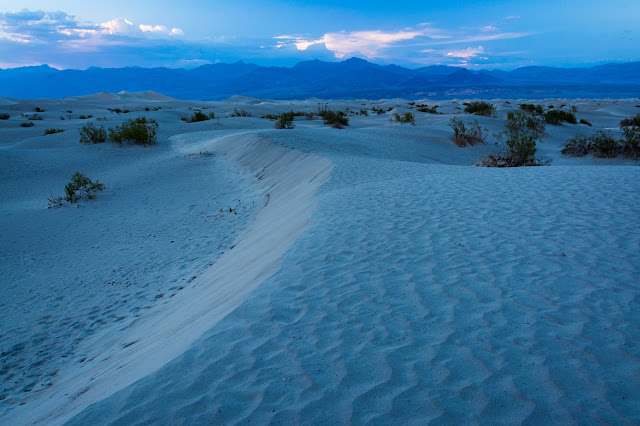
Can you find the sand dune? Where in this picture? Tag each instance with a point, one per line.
(369, 275)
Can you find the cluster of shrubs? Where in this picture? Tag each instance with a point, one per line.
(79, 187)
(4, 116)
(483, 108)
(408, 117)
(52, 131)
(85, 117)
(118, 110)
(335, 119)
(199, 116)
(522, 131)
(285, 120)
(378, 110)
(604, 145)
(532, 109)
(240, 113)
(138, 131)
(152, 109)
(557, 116)
(425, 108)
(469, 133)
(27, 124)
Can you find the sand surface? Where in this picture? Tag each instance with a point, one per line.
(369, 274)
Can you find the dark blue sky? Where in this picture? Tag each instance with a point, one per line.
(474, 34)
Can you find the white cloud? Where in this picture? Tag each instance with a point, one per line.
(489, 28)
(151, 28)
(467, 53)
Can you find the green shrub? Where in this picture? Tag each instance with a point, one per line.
(633, 121)
(631, 141)
(470, 133)
(80, 186)
(521, 134)
(138, 131)
(336, 119)
(577, 147)
(91, 134)
(240, 113)
(4, 116)
(196, 117)
(557, 116)
(425, 108)
(408, 117)
(52, 131)
(85, 117)
(583, 121)
(604, 144)
(532, 109)
(27, 124)
(481, 108)
(285, 121)
(364, 112)
(521, 122)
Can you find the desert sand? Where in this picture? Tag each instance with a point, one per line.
(239, 273)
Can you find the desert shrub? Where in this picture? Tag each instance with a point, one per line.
(631, 141)
(322, 108)
(521, 133)
(27, 124)
(336, 119)
(196, 117)
(633, 121)
(408, 117)
(309, 116)
(52, 131)
(81, 186)
(604, 144)
(270, 116)
(34, 117)
(481, 108)
(92, 134)
(285, 121)
(583, 121)
(532, 109)
(118, 110)
(521, 122)
(139, 131)
(38, 109)
(557, 116)
(470, 133)
(240, 113)
(378, 110)
(425, 108)
(577, 147)
(4, 116)
(85, 117)
(364, 112)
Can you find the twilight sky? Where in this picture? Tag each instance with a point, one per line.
(503, 34)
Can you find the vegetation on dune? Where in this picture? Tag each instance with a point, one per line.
(34, 117)
(467, 133)
(632, 121)
(557, 116)
(583, 121)
(90, 134)
(79, 187)
(408, 117)
(27, 124)
(38, 109)
(522, 131)
(285, 120)
(85, 117)
(4, 116)
(240, 113)
(425, 108)
(138, 131)
(335, 119)
(52, 131)
(578, 146)
(199, 116)
(532, 109)
(482, 108)
(604, 145)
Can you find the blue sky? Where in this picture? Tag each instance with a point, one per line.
(474, 34)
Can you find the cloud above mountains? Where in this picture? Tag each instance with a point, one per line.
(60, 39)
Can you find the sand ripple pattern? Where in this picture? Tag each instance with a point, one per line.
(427, 293)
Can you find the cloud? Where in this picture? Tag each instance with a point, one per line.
(488, 28)
(467, 53)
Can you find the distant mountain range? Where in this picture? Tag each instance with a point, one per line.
(350, 79)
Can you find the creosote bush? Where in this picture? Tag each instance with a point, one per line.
(480, 108)
(521, 134)
(4, 116)
(52, 131)
(38, 109)
(240, 113)
(91, 134)
(199, 116)
(587, 122)
(557, 116)
(578, 146)
(532, 109)
(335, 119)
(85, 117)
(139, 131)
(408, 117)
(285, 121)
(425, 108)
(470, 133)
(633, 121)
(34, 117)
(27, 124)
(604, 144)
(81, 186)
